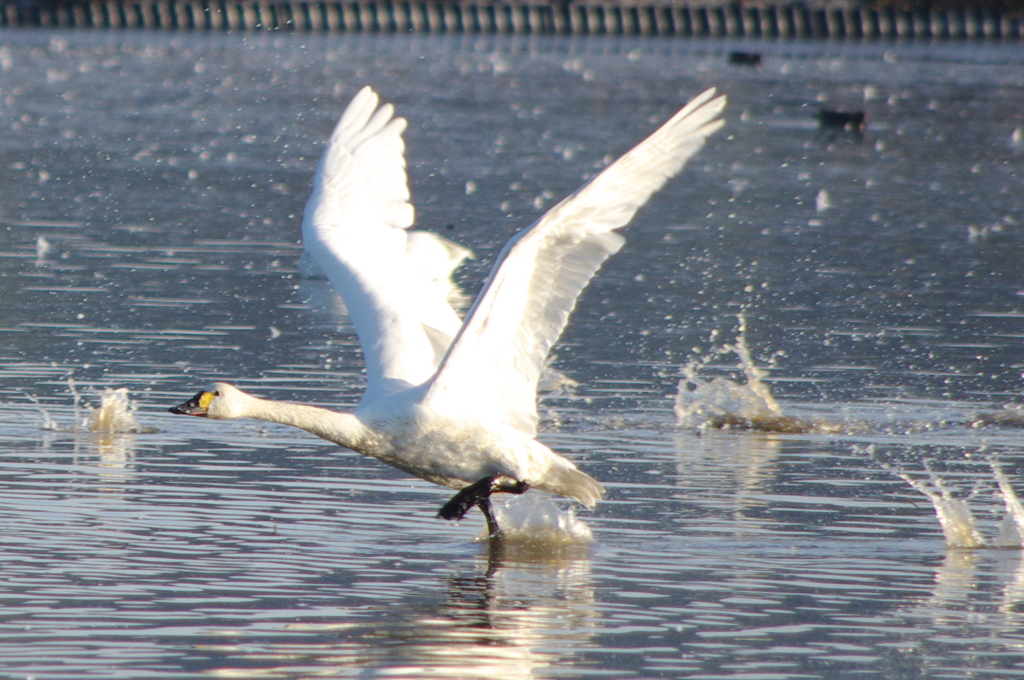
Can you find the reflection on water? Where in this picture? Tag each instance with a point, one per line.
(151, 194)
(517, 613)
(103, 437)
(499, 622)
(735, 472)
(97, 450)
(975, 593)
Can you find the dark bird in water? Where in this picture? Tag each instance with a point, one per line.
(851, 121)
(737, 58)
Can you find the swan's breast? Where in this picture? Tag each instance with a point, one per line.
(446, 451)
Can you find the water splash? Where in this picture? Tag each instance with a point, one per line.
(43, 249)
(115, 414)
(1011, 529)
(822, 201)
(536, 519)
(701, 402)
(48, 422)
(959, 524)
(76, 403)
(722, 403)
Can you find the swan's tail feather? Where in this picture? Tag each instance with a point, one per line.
(568, 481)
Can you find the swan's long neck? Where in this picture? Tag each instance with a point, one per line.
(341, 428)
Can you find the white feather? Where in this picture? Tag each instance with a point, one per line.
(355, 227)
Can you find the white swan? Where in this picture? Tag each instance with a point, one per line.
(448, 401)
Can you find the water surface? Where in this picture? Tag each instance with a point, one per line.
(151, 190)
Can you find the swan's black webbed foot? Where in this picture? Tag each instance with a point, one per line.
(479, 494)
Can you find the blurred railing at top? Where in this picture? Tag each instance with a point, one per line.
(797, 20)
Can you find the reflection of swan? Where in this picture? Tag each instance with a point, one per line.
(507, 623)
(526, 609)
(455, 403)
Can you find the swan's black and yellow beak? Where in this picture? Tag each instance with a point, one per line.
(196, 406)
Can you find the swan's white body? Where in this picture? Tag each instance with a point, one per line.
(449, 401)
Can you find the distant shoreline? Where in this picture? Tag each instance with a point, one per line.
(832, 19)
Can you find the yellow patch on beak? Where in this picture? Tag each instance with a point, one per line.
(196, 406)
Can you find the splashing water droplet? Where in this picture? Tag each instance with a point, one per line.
(115, 413)
(959, 526)
(536, 518)
(822, 201)
(702, 403)
(1011, 529)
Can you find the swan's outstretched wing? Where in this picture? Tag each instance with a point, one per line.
(493, 366)
(355, 229)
